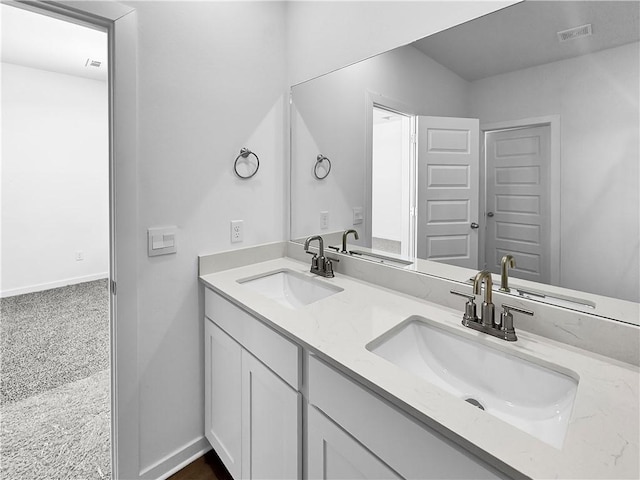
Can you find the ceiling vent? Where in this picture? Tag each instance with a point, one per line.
(573, 33)
(92, 63)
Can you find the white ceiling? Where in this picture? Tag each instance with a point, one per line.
(524, 35)
(38, 41)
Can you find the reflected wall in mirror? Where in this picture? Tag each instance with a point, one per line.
(491, 138)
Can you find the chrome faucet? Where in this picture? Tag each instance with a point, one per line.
(507, 261)
(344, 239)
(320, 265)
(486, 323)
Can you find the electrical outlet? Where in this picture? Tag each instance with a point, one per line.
(79, 256)
(237, 231)
(324, 220)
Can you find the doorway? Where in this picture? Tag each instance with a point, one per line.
(55, 305)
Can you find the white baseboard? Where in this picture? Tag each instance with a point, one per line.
(177, 460)
(48, 286)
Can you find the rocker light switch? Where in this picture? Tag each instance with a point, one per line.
(161, 241)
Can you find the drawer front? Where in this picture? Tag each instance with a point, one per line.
(275, 351)
(406, 445)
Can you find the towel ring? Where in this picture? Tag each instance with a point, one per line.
(244, 153)
(319, 163)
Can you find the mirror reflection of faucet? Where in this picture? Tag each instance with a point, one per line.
(344, 239)
(507, 262)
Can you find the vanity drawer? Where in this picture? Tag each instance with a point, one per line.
(275, 351)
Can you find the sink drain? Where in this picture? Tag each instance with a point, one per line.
(474, 402)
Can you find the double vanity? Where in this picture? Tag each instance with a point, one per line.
(335, 377)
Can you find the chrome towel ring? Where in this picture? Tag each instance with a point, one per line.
(244, 154)
(323, 164)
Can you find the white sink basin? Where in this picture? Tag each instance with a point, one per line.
(289, 288)
(530, 397)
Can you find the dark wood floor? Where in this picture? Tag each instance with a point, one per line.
(207, 467)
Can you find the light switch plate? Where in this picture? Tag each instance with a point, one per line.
(162, 241)
(358, 216)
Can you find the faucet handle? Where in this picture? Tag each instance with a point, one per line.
(507, 310)
(470, 314)
(469, 297)
(506, 321)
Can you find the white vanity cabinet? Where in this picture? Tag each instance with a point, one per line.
(353, 433)
(252, 402)
(334, 454)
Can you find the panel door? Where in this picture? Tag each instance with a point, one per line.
(335, 455)
(447, 190)
(271, 428)
(223, 394)
(518, 208)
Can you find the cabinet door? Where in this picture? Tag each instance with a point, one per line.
(223, 394)
(334, 454)
(271, 411)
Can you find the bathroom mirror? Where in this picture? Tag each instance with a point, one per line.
(515, 133)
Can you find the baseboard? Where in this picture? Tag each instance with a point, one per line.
(176, 460)
(57, 284)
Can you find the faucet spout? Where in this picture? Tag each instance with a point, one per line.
(485, 276)
(507, 262)
(320, 244)
(488, 309)
(344, 238)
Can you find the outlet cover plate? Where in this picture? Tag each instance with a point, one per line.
(237, 231)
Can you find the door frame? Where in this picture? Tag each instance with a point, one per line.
(553, 121)
(120, 23)
(373, 99)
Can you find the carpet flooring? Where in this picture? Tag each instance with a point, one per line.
(55, 384)
(63, 433)
(52, 337)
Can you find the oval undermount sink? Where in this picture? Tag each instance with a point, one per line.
(533, 398)
(289, 288)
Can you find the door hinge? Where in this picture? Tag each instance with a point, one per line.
(113, 287)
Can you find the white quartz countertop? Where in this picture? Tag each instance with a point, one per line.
(602, 439)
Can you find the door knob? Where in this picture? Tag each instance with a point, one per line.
(490, 214)
(474, 225)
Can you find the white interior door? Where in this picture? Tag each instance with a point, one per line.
(448, 184)
(518, 206)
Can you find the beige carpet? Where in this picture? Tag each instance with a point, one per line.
(59, 434)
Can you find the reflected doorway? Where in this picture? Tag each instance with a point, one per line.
(518, 213)
(392, 224)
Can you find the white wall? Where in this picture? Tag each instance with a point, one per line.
(55, 180)
(211, 81)
(597, 98)
(334, 106)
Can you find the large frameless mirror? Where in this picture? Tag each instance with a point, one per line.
(515, 133)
